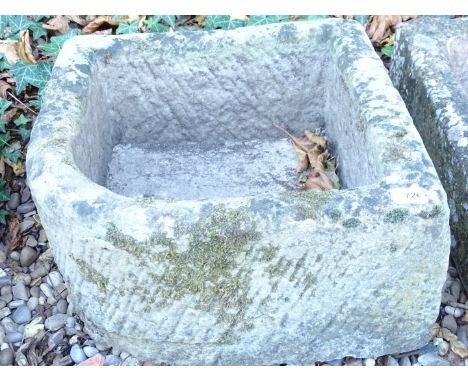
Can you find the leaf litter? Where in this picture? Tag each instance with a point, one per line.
(311, 151)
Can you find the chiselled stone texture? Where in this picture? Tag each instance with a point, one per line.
(193, 271)
(430, 69)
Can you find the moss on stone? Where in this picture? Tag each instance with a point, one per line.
(335, 214)
(268, 252)
(400, 133)
(396, 215)
(308, 202)
(351, 223)
(432, 213)
(91, 275)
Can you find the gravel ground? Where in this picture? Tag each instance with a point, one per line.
(38, 327)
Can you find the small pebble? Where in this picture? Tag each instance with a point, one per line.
(15, 304)
(392, 361)
(6, 297)
(14, 201)
(6, 357)
(42, 300)
(26, 208)
(455, 312)
(20, 292)
(124, 355)
(13, 337)
(42, 237)
(54, 278)
(455, 289)
(40, 270)
(62, 306)
(90, 351)
(24, 278)
(31, 241)
(28, 256)
(35, 291)
(15, 255)
(4, 312)
(97, 360)
(32, 303)
(70, 322)
(404, 361)
(22, 314)
(21, 359)
(5, 281)
(73, 340)
(55, 339)
(443, 348)
(56, 322)
(368, 362)
(4, 346)
(130, 361)
(335, 362)
(77, 354)
(25, 195)
(9, 325)
(450, 323)
(26, 224)
(3, 256)
(432, 359)
(47, 290)
(112, 360)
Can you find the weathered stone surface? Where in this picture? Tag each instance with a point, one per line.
(262, 275)
(430, 69)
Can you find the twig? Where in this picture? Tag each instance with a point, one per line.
(22, 103)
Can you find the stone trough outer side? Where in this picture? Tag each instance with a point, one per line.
(289, 277)
(435, 98)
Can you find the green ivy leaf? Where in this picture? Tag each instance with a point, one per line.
(3, 215)
(125, 28)
(4, 104)
(18, 23)
(11, 154)
(257, 20)
(3, 23)
(2, 126)
(21, 120)
(56, 43)
(168, 19)
(155, 26)
(38, 18)
(387, 51)
(37, 103)
(315, 17)
(223, 22)
(37, 30)
(362, 19)
(34, 74)
(24, 133)
(4, 64)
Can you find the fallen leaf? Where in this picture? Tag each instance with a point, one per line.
(447, 335)
(34, 327)
(96, 360)
(57, 25)
(99, 23)
(318, 180)
(381, 27)
(2, 167)
(4, 87)
(14, 238)
(8, 48)
(24, 48)
(17, 167)
(459, 348)
(9, 115)
(78, 20)
(240, 17)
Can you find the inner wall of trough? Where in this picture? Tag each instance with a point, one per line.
(212, 97)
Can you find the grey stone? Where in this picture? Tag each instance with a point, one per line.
(22, 314)
(450, 323)
(20, 292)
(77, 354)
(28, 256)
(455, 287)
(9, 325)
(112, 360)
(32, 303)
(55, 322)
(31, 241)
(40, 270)
(13, 337)
(47, 290)
(455, 312)
(54, 278)
(5, 281)
(42, 237)
(35, 291)
(26, 224)
(404, 361)
(392, 361)
(25, 208)
(15, 303)
(432, 359)
(55, 339)
(62, 306)
(230, 266)
(443, 348)
(70, 323)
(14, 201)
(130, 361)
(4, 312)
(7, 357)
(24, 278)
(462, 334)
(21, 359)
(429, 69)
(6, 297)
(90, 351)
(15, 255)
(25, 195)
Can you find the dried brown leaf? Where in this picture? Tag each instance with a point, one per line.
(8, 48)
(24, 48)
(77, 19)
(4, 87)
(14, 238)
(99, 23)
(57, 25)
(318, 180)
(381, 27)
(9, 114)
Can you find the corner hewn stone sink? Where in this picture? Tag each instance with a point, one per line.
(169, 202)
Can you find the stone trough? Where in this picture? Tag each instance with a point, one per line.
(430, 69)
(170, 206)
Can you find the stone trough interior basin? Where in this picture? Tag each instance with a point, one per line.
(166, 197)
